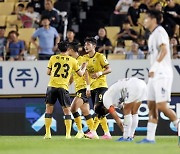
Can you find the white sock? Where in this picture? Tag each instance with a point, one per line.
(151, 130)
(176, 123)
(134, 125)
(127, 125)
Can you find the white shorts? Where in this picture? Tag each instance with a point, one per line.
(137, 92)
(159, 90)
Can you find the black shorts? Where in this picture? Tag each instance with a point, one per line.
(61, 94)
(82, 94)
(97, 95)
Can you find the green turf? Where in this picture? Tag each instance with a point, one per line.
(59, 145)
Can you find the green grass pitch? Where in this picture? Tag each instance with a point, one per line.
(59, 145)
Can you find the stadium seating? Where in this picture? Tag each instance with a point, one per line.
(6, 8)
(8, 29)
(112, 32)
(128, 44)
(26, 33)
(11, 0)
(116, 56)
(3, 20)
(12, 20)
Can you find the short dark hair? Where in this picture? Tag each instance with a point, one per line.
(91, 40)
(2, 27)
(45, 17)
(74, 46)
(155, 14)
(71, 30)
(63, 46)
(21, 5)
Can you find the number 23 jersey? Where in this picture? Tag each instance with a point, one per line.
(61, 68)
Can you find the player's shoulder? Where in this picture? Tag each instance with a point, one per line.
(160, 30)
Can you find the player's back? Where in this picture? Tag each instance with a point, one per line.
(61, 68)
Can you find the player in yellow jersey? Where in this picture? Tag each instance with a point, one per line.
(97, 68)
(81, 100)
(60, 68)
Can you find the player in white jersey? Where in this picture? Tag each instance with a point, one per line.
(130, 92)
(160, 74)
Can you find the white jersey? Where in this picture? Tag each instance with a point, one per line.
(158, 37)
(126, 90)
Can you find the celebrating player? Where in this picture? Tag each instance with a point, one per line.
(97, 68)
(160, 74)
(81, 100)
(128, 93)
(59, 68)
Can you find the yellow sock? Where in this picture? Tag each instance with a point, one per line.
(90, 123)
(68, 123)
(104, 125)
(78, 123)
(96, 123)
(48, 122)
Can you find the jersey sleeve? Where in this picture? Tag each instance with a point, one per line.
(50, 63)
(161, 39)
(103, 60)
(76, 66)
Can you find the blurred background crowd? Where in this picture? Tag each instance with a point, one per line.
(31, 29)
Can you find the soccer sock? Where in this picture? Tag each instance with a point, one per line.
(176, 123)
(68, 123)
(127, 125)
(134, 125)
(104, 125)
(48, 121)
(89, 121)
(96, 123)
(151, 130)
(78, 121)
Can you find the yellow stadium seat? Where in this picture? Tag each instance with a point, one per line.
(128, 44)
(6, 8)
(11, 0)
(3, 20)
(116, 56)
(112, 32)
(12, 20)
(8, 29)
(26, 34)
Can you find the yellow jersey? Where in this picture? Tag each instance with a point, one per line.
(95, 64)
(61, 68)
(79, 82)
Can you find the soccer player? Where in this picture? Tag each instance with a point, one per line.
(81, 100)
(97, 69)
(129, 93)
(60, 68)
(160, 74)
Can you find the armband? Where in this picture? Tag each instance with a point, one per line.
(111, 109)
